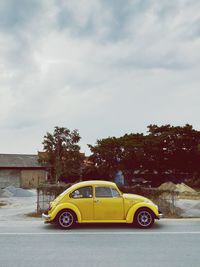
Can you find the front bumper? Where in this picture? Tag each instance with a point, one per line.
(160, 215)
(45, 217)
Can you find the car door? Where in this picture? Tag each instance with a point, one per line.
(82, 198)
(108, 204)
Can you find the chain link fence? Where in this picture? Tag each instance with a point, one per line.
(165, 199)
(47, 193)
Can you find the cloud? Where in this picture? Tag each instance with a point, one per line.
(104, 67)
(18, 14)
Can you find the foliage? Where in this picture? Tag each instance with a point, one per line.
(63, 154)
(165, 152)
(194, 181)
(112, 154)
(174, 149)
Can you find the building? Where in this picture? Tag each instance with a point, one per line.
(21, 171)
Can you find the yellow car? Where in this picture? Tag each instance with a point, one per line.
(100, 202)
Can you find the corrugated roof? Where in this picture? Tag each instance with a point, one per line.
(19, 161)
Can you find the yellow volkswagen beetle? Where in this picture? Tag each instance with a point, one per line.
(100, 202)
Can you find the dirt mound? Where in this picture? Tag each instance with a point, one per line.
(4, 193)
(167, 186)
(181, 188)
(12, 191)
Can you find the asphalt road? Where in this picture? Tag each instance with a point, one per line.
(174, 243)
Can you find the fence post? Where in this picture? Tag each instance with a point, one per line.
(174, 197)
(173, 203)
(37, 200)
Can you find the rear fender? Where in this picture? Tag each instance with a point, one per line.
(64, 206)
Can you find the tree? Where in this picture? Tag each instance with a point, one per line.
(105, 156)
(112, 154)
(165, 153)
(172, 151)
(63, 154)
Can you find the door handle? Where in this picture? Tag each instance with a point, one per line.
(97, 201)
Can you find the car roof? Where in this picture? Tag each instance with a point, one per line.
(88, 183)
(94, 182)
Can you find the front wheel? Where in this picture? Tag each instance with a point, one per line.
(144, 218)
(66, 219)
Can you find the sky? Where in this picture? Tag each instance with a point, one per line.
(104, 67)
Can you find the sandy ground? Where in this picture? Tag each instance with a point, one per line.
(17, 208)
(188, 207)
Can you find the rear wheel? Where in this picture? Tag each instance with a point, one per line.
(144, 218)
(66, 219)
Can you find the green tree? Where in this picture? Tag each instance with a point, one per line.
(173, 150)
(166, 152)
(112, 154)
(63, 154)
(106, 157)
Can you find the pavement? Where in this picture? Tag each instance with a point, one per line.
(170, 242)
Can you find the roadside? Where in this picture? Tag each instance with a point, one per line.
(17, 208)
(188, 208)
(19, 204)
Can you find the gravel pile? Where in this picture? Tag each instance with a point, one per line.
(181, 188)
(12, 191)
(167, 186)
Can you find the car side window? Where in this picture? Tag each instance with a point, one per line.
(103, 191)
(115, 193)
(83, 192)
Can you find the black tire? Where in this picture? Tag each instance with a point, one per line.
(66, 219)
(144, 218)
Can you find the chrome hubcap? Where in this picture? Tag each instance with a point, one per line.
(66, 219)
(144, 218)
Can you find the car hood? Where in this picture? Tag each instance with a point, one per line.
(136, 198)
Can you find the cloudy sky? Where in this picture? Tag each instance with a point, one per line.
(104, 67)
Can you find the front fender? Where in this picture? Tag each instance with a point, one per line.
(63, 206)
(134, 208)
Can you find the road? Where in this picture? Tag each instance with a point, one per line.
(27, 243)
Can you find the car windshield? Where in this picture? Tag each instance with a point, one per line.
(67, 190)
